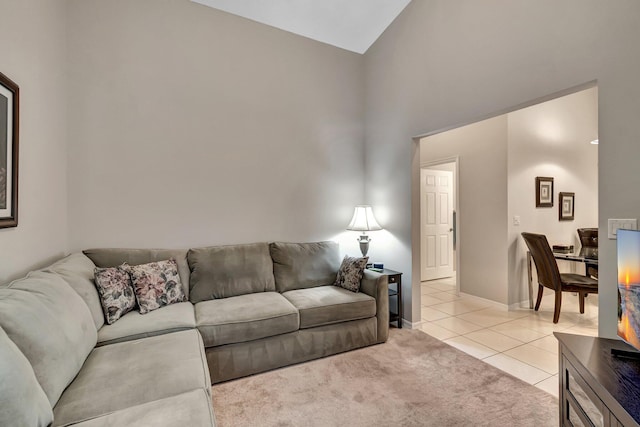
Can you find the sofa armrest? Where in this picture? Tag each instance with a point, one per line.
(376, 285)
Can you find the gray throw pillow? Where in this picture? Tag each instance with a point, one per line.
(156, 284)
(351, 272)
(116, 292)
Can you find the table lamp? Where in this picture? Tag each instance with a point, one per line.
(363, 220)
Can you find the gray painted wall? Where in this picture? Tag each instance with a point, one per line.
(482, 210)
(444, 63)
(190, 126)
(33, 56)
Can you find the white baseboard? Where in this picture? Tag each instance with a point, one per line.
(487, 301)
(410, 325)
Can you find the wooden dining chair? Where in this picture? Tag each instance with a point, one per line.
(550, 277)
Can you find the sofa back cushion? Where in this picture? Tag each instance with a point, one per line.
(51, 325)
(228, 271)
(112, 257)
(77, 270)
(22, 400)
(304, 265)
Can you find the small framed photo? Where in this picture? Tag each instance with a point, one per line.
(9, 97)
(544, 192)
(567, 206)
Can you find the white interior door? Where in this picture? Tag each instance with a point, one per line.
(436, 214)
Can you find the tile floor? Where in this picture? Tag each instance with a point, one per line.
(519, 342)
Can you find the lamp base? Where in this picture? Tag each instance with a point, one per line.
(364, 244)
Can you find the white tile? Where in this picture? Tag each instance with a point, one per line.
(457, 325)
(517, 331)
(487, 317)
(536, 357)
(543, 324)
(431, 299)
(443, 286)
(517, 368)
(427, 290)
(548, 343)
(446, 296)
(471, 347)
(461, 306)
(494, 340)
(430, 314)
(437, 331)
(581, 330)
(550, 385)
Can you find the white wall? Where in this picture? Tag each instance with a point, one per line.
(33, 56)
(442, 63)
(482, 206)
(551, 139)
(190, 126)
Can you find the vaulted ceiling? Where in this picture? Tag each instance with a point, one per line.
(348, 24)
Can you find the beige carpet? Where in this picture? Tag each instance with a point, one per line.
(412, 380)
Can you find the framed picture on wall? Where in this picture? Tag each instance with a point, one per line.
(567, 206)
(544, 192)
(9, 99)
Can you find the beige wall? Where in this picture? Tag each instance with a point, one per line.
(482, 207)
(190, 126)
(443, 63)
(551, 139)
(33, 56)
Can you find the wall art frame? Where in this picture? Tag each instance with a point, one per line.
(9, 132)
(566, 206)
(544, 192)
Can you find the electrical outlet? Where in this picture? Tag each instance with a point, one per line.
(516, 220)
(613, 225)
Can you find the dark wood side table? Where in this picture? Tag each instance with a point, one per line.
(596, 388)
(394, 277)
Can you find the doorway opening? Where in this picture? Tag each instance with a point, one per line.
(495, 200)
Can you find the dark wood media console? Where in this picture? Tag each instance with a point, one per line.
(596, 387)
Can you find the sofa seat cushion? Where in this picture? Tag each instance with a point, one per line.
(51, 325)
(123, 375)
(133, 325)
(191, 409)
(324, 305)
(22, 400)
(245, 318)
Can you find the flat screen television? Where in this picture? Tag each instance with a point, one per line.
(629, 286)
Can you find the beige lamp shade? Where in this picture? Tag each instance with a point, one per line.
(363, 219)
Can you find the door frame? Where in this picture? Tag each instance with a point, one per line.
(456, 175)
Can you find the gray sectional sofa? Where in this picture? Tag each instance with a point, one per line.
(251, 308)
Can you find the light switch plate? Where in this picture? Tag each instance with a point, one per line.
(613, 225)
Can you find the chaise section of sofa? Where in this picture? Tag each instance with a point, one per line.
(48, 334)
(118, 376)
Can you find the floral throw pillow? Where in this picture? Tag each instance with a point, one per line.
(351, 272)
(116, 292)
(156, 284)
